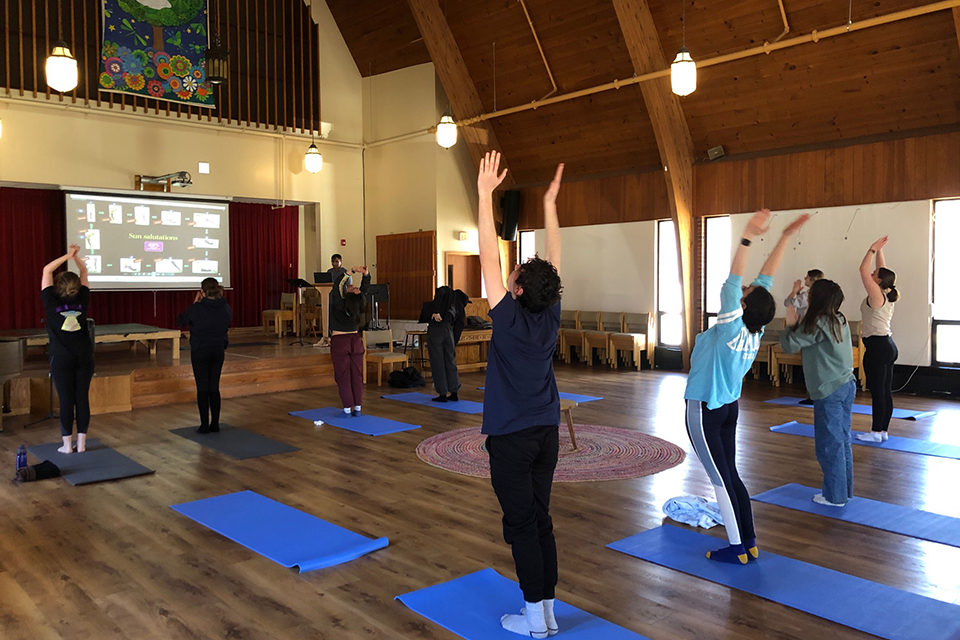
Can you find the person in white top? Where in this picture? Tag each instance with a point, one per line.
(800, 292)
(876, 312)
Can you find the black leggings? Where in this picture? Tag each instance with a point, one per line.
(881, 352)
(72, 375)
(207, 364)
(713, 433)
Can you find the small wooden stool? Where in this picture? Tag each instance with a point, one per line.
(566, 413)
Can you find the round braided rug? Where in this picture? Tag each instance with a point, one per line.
(603, 453)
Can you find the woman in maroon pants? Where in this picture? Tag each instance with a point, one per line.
(346, 344)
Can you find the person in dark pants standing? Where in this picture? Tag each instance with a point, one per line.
(66, 303)
(208, 319)
(876, 314)
(443, 333)
(521, 405)
(346, 344)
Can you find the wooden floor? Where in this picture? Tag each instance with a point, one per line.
(114, 561)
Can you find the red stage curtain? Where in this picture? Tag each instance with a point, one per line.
(264, 251)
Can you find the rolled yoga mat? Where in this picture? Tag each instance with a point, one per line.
(862, 409)
(847, 600)
(896, 443)
(287, 536)
(906, 521)
(471, 607)
(98, 463)
(368, 425)
(235, 442)
(461, 406)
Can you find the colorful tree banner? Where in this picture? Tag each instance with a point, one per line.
(156, 49)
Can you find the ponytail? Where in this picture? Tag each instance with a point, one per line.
(893, 295)
(888, 283)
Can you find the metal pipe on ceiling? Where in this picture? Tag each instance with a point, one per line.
(765, 48)
(786, 25)
(543, 56)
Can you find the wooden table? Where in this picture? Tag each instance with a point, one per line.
(109, 334)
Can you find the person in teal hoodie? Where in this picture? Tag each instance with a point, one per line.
(823, 337)
(722, 356)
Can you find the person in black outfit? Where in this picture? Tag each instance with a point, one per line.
(521, 404)
(443, 334)
(208, 319)
(66, 302)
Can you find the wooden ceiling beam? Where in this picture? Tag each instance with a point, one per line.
(456, 80)
(673, 141)
(956, 21)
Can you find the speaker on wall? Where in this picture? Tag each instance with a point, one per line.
(510, 207)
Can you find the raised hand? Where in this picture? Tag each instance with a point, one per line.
(880, 243)
(758, 224)
(362, 270)
(797, 285)
(550, 197)
(487, 179)
(796, 225)
(73, 251)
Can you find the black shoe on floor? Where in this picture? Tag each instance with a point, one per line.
(356, 413)
(440, 399)
(807, 401)
(203, 430)
(214, 428)
(454, 397)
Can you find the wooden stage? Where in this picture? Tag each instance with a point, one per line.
(113, 561)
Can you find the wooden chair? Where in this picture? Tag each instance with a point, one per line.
(771, 337)
(599, 339)
(636, 335)
(279, 317)
(313, 309)
(566, 414)
(571, 334)
(388, 357)
(858, 352)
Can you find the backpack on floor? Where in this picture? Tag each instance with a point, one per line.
(406, 378)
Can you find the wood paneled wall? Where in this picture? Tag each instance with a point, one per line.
(889, 171)
(274, 60)
(408, 263)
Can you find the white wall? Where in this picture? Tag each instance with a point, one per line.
(608, 267)
(824, 243)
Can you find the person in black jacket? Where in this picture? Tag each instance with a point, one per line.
(346, 345)
(66, 302)
(443, 333)
(208, 319)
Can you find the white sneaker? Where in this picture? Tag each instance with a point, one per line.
(819, 499)
(870, 436)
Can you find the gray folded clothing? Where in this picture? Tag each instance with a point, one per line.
(42, 471)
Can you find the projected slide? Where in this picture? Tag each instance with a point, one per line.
(150, 243)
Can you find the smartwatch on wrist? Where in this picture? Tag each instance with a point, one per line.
(746, 242)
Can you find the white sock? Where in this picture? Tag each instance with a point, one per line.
(347, 410)
(819, 499)
(870, 436)
(883, 436)
(529, 623)
(548, 617)
(357, 408)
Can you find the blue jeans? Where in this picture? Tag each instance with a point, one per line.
(831, 425)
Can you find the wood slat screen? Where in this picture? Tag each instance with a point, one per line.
(408, 263)
(274, 60)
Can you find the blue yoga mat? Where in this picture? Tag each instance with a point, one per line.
(461, 406)
(853, 602)
(369, 425)
(281, 533)
(576, 397)
(862, 409)
(896, 443)
(906, 521)
(471, 607)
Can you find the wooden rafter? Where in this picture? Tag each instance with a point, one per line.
(673, 140)
(456, 80)
(956, 21)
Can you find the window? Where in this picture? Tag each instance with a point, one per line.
(669, 294)
(527, 246)
(716, 264)
(946, 263)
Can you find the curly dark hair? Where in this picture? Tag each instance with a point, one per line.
(759, 310)
(540, 283)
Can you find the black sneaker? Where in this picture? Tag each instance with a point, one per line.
(355, 413)
(454, 397)
(439, 399)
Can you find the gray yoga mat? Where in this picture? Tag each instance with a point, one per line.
(235, 442)
(98, 463)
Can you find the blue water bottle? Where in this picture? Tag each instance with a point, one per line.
(21, 458)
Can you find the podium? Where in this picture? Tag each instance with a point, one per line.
(300, 285)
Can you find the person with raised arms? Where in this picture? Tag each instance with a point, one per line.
(521, 404)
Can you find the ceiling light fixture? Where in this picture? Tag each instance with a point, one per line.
(61, 69)
(447, 131)
(683, 71)
(312, 159)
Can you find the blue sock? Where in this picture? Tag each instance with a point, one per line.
(750, 544)
(734, 554)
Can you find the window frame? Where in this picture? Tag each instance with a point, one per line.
(660, 313)
(934, 321)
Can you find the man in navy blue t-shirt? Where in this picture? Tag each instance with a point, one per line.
(521, 406)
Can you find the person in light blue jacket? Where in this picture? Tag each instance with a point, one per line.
(722, 356)
(823, 337)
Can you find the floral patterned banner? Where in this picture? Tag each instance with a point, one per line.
(156, 49)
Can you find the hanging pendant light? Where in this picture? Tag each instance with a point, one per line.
(217, 60)
(683, 71)
(447, 131)
(61, 69)
(312, 159)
